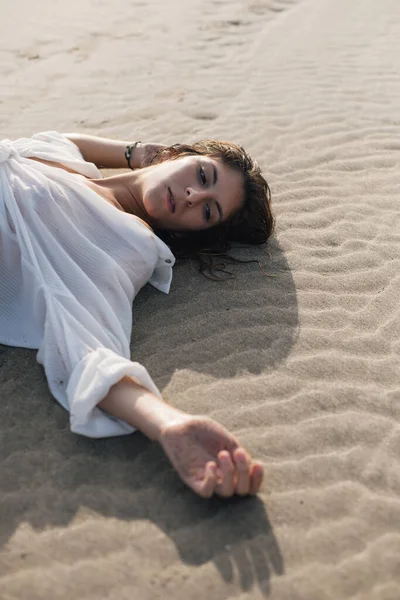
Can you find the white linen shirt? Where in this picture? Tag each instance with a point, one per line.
(70, 266)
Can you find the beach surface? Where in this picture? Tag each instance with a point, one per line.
(299, 358)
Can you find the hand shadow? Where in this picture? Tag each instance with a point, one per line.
(237, 536)
(49, 478)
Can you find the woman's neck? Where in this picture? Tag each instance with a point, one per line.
(122, 189)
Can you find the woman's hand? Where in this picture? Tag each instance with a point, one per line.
(144, 153)
(206, 456)
(209, 459)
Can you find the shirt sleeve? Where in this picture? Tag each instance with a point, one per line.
(82, 361)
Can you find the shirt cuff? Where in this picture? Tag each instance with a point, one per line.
(90, 383)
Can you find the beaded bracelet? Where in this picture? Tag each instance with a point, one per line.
(128, 153)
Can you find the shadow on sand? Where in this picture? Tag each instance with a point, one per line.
(47, 474)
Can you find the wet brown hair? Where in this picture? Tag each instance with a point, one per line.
(253, 223)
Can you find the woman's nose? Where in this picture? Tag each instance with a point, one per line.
(194, 196)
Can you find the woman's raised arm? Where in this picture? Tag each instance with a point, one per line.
(110, 154)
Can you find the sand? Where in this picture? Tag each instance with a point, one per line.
(303, 365)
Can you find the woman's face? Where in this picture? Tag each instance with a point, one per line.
(191, 193)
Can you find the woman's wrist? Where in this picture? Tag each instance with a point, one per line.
(134, 155)
(129, 401)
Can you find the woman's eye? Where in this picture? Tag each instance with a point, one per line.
(208, 212)
(203, 176)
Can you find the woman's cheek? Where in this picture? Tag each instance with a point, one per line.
(150, 204)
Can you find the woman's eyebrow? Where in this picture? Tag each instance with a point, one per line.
(215, 179)
(219, 208)
(215, 174)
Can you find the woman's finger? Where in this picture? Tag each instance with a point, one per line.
(256, 478)
(226, 486)
(243, 466)
(206, 486)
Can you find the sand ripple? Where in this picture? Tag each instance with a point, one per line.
(303, 365)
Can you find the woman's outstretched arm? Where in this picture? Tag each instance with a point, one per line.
(207, 457)
(110, 154)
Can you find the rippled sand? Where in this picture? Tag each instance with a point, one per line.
(302, 365)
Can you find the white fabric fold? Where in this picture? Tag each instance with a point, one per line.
(7, 150)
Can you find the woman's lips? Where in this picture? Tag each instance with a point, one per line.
(171, 202)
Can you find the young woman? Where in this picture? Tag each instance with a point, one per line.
(75, 249)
